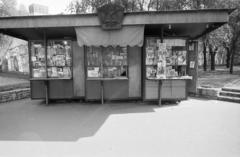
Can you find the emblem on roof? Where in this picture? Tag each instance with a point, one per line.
(111, 16)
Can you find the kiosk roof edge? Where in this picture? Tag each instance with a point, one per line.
(31, 27)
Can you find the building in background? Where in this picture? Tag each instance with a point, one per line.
(18, 59)
(15, 58)
(37, 9)
(14, 53)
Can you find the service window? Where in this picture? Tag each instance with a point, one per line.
(107, 62)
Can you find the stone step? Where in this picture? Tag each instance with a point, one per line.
(231, 89)
(228, 93)
(229, 98)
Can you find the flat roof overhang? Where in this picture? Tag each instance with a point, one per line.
(185, 23)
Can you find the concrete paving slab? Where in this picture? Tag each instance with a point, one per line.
(196, 127)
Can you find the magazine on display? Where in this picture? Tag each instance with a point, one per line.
(112, 60)
(93, 72)
(169, 59)
(58, 60)
(38, 60)
(182, 57)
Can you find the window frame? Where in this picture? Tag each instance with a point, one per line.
(102, 66)
(45, 46)
(175, 66)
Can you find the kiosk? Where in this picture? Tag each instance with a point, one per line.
(136, 56)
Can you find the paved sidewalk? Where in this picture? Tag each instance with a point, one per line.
(196, 127)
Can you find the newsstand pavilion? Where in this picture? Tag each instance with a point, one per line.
(112, 55)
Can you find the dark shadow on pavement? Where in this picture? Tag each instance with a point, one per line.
(32, 120)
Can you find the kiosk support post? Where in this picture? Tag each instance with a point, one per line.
(46, 91)
(102, 92)
(159, 92)
(46, 81)
(160, 81)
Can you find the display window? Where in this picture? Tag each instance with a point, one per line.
(59, 59)
(38, 59)
(55, 63)
(165, 59)
(107, 62)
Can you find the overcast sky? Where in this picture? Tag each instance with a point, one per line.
(54, 6)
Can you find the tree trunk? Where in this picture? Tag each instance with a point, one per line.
(133, 3)
(204, 57)
(233, 51)
(213, 61)
(228, 55)
(228, 58)
(232, 58)
(212, 56)
(157, 6)
(149, 5)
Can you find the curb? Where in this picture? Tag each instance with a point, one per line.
(17, 94)
(206, 92)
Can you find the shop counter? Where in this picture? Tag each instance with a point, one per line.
(107, 79)
(51, 88)
(107, 88)
(166, 89)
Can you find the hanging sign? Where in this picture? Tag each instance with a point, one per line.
(192, 64)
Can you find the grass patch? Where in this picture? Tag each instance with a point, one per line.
(219, 78)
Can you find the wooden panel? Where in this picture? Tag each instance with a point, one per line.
(135, 69)
(115, 90)
(60, 89)
(37, 89)
(193, 57)
(179, 92)
(166, 90)
(167, 83)
(178, 83)
(78, 71)
(171, 90)
(179, 89)
(93, 90)
(151, 89)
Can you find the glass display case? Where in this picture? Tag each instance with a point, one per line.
(165, 60)
(59, 59)
(55, 63)
(94, 60)
(107, 62)
(38, 59)
(165, 66)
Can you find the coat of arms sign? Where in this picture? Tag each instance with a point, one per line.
(111, 16)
